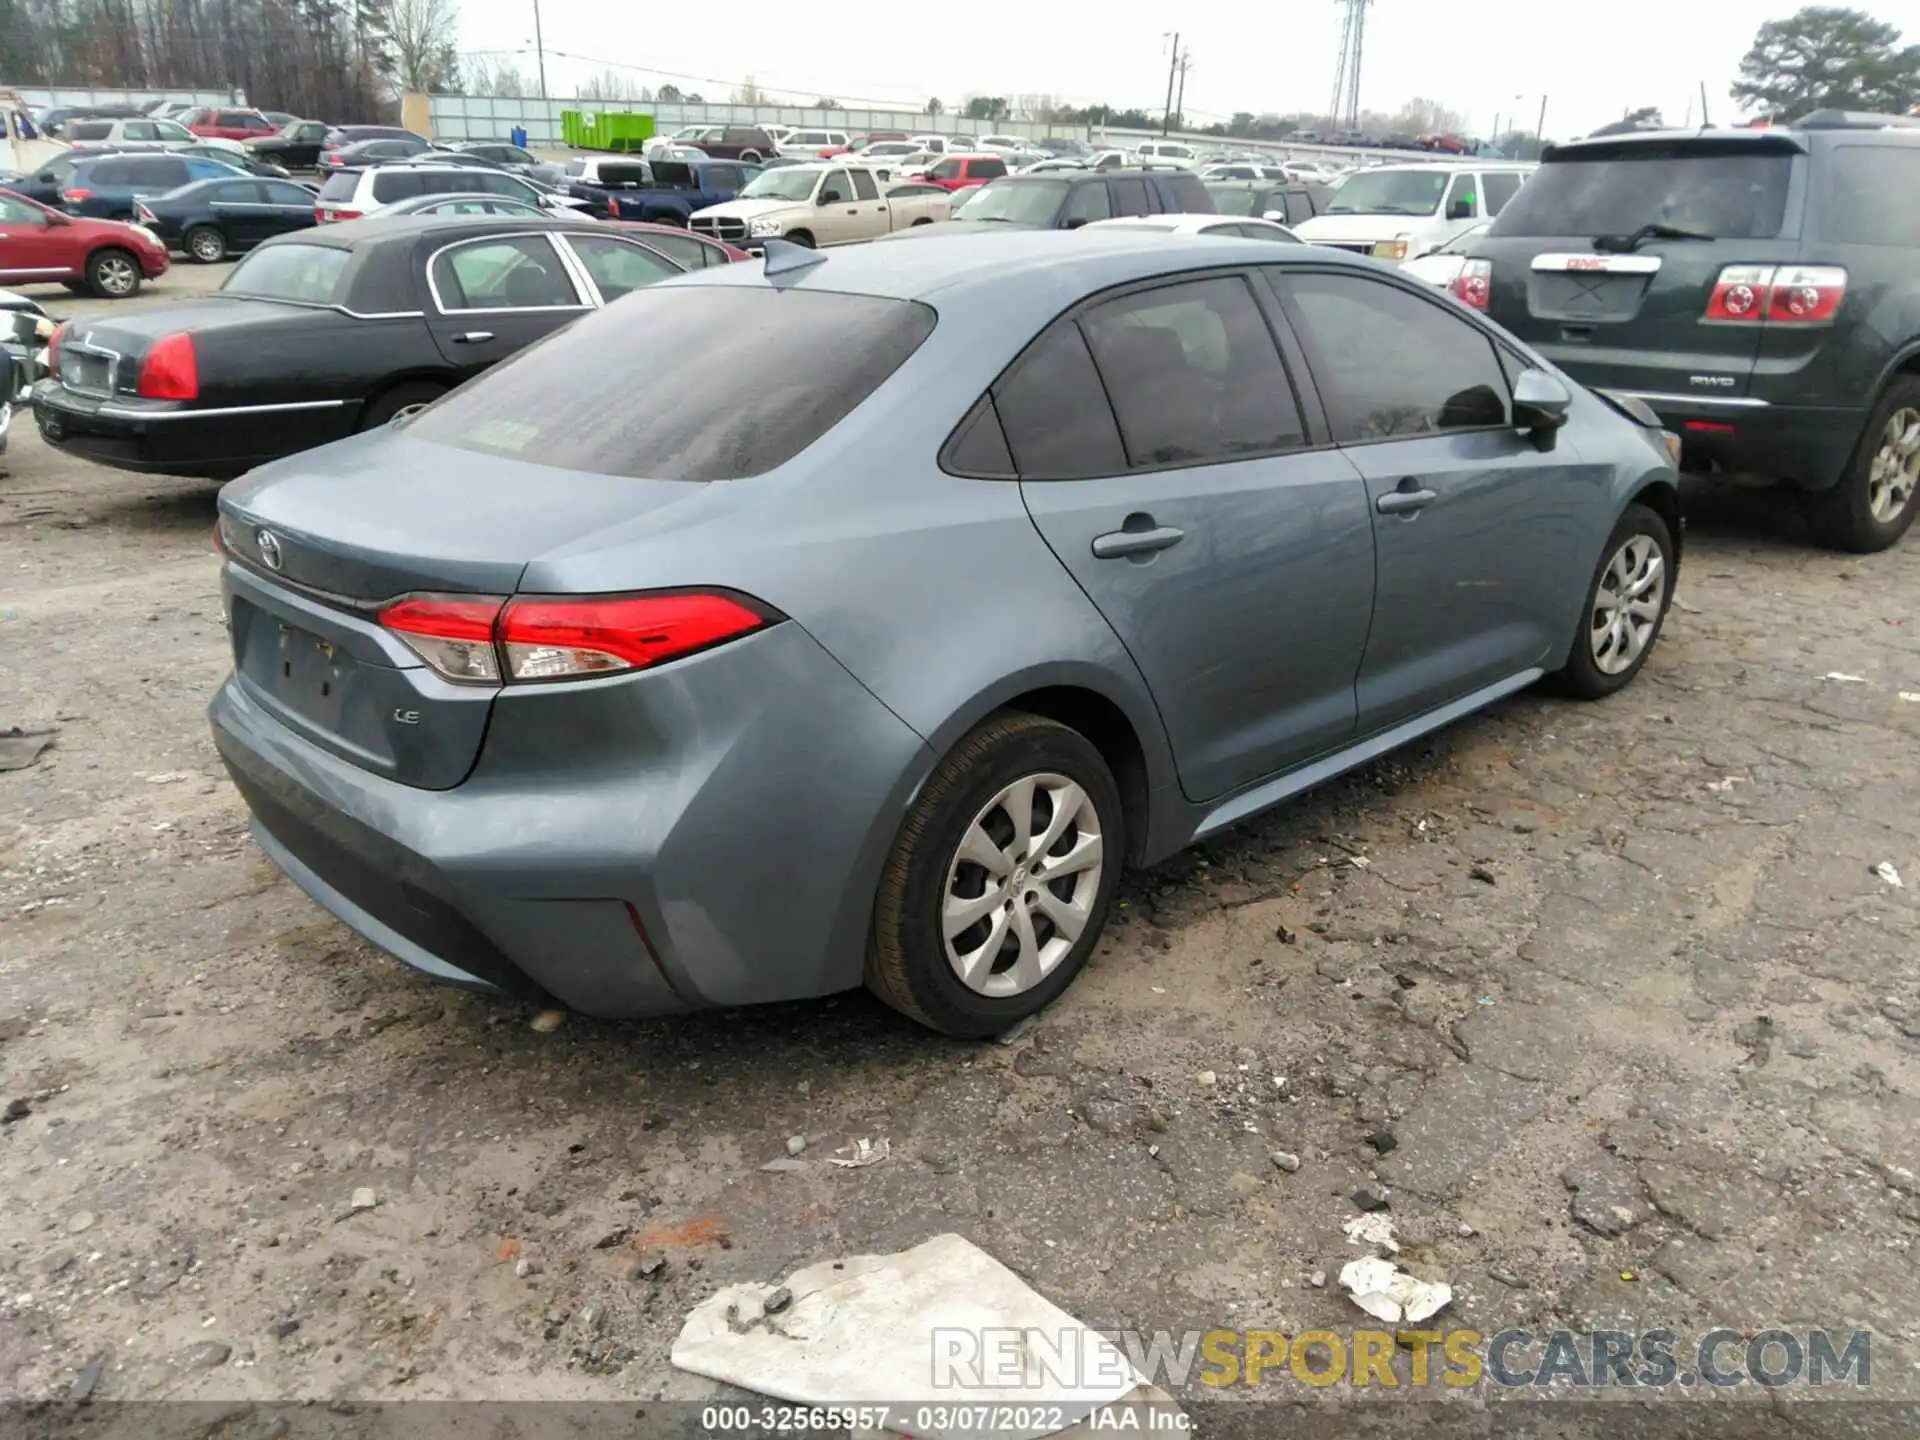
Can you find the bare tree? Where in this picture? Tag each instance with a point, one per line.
(423, 34)
(498, 78)
(610, 84)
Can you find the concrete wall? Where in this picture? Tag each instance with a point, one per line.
(466, 117)
(40, 98)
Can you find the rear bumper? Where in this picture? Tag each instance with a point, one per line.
(1802, 447)
(711, 835)
(168, 438)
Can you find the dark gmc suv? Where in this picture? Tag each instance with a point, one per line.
(1759, 289)
(1068, 199)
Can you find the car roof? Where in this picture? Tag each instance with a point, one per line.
(1024, 270)
(1775, 141)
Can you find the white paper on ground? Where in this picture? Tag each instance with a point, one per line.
(1386, 1292)
(863, 1334)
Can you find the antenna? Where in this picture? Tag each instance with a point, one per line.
(786, 258)
(1704, 122)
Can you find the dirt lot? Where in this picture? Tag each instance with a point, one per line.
(1615, 987)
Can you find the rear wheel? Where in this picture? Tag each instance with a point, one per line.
(206, 244)
(1626, 606)
(1876, 499)
(113, 274)
(399, 400)
(750, 157)
(1000, 879)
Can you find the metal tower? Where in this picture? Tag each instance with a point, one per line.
(1344, 113)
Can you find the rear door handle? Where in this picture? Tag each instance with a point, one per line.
(1402, 502)
(473, 337)
(1118, 544)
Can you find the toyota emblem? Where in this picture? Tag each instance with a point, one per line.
(269, 544)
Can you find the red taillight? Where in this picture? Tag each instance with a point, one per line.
(559, 639)
(171, 370)
(331, 213)
(613, 208)
(1473, 286)
(74, 197)
(1777, 294)
(546, 638)
(1806, 294)
(145, 214)
(1709, 427)
(452, 633)
(53, 346)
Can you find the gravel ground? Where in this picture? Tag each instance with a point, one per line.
(1607, 1002)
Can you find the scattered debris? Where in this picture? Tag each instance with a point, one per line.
(614, 1238)
(81, 1220)
(1207, 1078)
(858, 1331)
(169, 777)
(1628, 1276)
(88, 1380)
(1318, 1279)
(207, 1355)
(1286, 936)
(17, 1109)
(861, 1154)
(363, 1199)
(1464, 1231)
(1723, 787)
(525, 1266)
(1369, 1201)
(1912, 697)
(784, 1165)
(1372, 1229)
(649, 1267)
(1012, 1035)
(20, 747)
(1506, 1278)
(1887, 873)
(548, 1021)
(1360, 862)
(1383, 1142)
(795, 1144)
(1484, 874)
(1843, 679)
(1386, 1292)
(1285, 1160)
(1485, 1000)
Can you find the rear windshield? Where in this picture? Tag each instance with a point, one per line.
(758, 376)
(1025, 202)
(1730, 195)
(309, 273)
(1229, 201)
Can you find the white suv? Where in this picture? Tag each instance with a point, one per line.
(1167, 152)
(813, 144)
(1400, 212)
(139, 135)
(352, 194)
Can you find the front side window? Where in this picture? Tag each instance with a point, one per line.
(1193, 374)
(1462, 199)
(946, 170)
(619, 268)
(512, 272)
(1086, 204)
(836, 189)
(18, 212)
(1393, 365)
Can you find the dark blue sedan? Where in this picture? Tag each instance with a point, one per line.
(211, 219)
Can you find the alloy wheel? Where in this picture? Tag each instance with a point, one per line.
(1896, 467)
(1627, 604)
(116, 275)
(208, 247)
(1022, 885)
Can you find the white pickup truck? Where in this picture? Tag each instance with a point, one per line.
(826, 203)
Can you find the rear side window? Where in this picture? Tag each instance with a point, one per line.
(340, 185)
(1870, 195)
(1392, 365)
(1130, 197)
(89, 129)
(1726, 192)
(1193, 374)
(392, 185)
(863, 186)
(1497, 188)
(759, 375)
(112, 172)
(986, 169)
(1186, 195)
(1055, 412)
(313, 273)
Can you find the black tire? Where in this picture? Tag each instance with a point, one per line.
(407, 395)
(1582, 676)
(923, 220)
(113, 274)
(205, 244)
(800, 237)
(1844, 517)
(907, 964)
(750, 157)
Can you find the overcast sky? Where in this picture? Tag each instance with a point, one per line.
(1493, 57)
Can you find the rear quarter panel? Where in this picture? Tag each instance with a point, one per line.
(312, 355)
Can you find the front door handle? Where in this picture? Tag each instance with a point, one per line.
(473, 337)
(1404, 501)
(1118, 544)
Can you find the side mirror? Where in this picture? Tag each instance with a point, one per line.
(1074, 222)
(1540, 404)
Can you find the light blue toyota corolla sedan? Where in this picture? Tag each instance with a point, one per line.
(857, 617)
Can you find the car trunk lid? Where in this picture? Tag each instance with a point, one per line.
(1577, 275)
(313, 563)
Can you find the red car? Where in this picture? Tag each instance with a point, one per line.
(231, 124)
(107, 257)
(1445, 144)
(963, 172)
(683, 247)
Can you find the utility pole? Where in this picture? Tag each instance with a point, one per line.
(1173, 65)
(1704, 121)
(540, 50)
(1180, 96)
(1540, 130)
